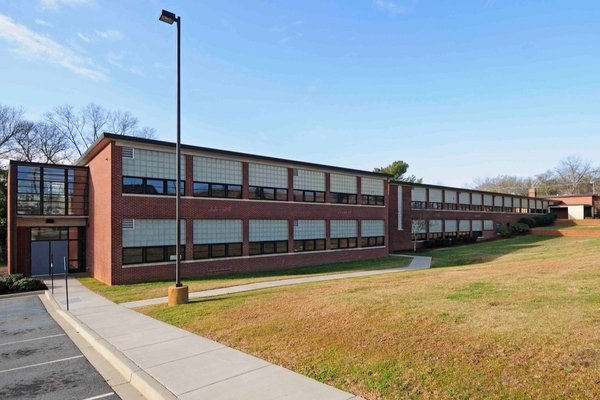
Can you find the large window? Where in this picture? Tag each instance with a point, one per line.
(309, 245)
(217, 250)
(310, 196)
(372, 200)
(267, 193)
(51, 190)
(419, 204)
(268, 247)
(210, 189)
(151, 254)
(137, 185)
(343, 198)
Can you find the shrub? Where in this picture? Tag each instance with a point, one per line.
(529, 221)
(544, 220)
(18, 283)
(519, 228)
(505, 231)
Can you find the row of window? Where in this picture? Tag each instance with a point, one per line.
(153, 254)
(473, 207)
(446, 235)
(137, 185)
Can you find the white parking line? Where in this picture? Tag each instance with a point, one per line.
(44, 363)
(100, 396)
(31, 340)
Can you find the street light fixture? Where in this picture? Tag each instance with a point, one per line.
(178, 294)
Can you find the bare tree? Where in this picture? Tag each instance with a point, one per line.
(10, 120)
(24, 144)
(123, 123)
(71, 125)
(97, 118)
(51, 145)
(573, 172)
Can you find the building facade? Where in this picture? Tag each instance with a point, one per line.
(112, 214)
(576, 206)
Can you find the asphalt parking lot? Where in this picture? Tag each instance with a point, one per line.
(39, 361)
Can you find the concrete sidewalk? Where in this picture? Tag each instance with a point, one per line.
(417, 263)
(163, 361)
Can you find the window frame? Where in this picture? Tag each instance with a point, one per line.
(343, 198)
(260, 191)
(306, 245)
(227, 187)
(275, 244)
(210, 246)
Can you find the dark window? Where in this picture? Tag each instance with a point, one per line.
(310, 196)
(465, 207)
(267, 193)
(436, 205)
(450, 206)
(234, 191)
(372, 200)
(234, 249)
(218, 190)
(309, 245)
(268, 247)
(419, 236)
(434, 235)
(133, 255)
(343, 243)
(342, 198)
(155, 254)
(137, 185)
(171, 253)
(201, 251)
(373, 241)
(419, 204)
(201, 189)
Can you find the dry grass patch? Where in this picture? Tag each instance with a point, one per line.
(525, 324)
(150, 290)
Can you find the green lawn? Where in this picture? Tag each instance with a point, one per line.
(572, 227)
(141, 291)
(510, 319)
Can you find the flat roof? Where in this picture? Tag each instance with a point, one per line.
(92, 150)
(467, 190)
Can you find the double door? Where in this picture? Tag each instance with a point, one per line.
(46, 254)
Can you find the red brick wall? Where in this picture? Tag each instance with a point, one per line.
(136, 206)
(401, 240)
(11, 231)
(99, 232)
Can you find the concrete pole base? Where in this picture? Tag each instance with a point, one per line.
(178, 295)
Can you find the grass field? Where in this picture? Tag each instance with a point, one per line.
(573, 227)
(515, 319)
(149, 290)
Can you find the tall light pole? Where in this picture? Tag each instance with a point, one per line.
(179, 292)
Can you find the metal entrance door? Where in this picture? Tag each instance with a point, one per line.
(44, 252)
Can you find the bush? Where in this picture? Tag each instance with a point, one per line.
(16, 283)
(528, 221)
(519, 228)
(544, 220)
(505, 231)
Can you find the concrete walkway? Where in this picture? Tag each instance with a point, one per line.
(417, 263)
(165, 362)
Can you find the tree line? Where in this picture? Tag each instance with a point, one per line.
(573, 175)
(63, 134)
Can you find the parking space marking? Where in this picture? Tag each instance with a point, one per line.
(31, 340)
(100, 396)
(39, 364)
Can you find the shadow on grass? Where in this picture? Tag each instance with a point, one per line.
(481, 252)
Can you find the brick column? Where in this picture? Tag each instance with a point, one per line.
(327, 234)
(189, 237)
(358, 233)
(245, 237)
(189, 175)
(291, 235)
(290, 184)
(358, 190)
(245, 180)
(327, 187)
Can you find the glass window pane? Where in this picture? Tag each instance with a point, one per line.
(234, 191)
(365, 242)
(133, 185)
(268, 194)
(217, 250)
(268, 247)
(309, 245)
(282, 246)
(155, 254)
(379, 240)
(343, 243)
(309, 196)
(133, 255)
(201, 189)
(155, 186)
(254, 192)
(171, 187)
(298, 195)
(352, 242)
(320, 197)
(254, 248)
(282, 194)
(335, 244)
(320, 244)
(298, 245)
(234, 249)
(201, 251)
(217, 190)
(352, 199)
(171, 256)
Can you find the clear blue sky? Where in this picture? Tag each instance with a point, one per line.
(459, 89)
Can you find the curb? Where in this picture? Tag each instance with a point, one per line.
(22, 294)
(149, 387)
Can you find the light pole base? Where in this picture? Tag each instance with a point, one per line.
(178, 295)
